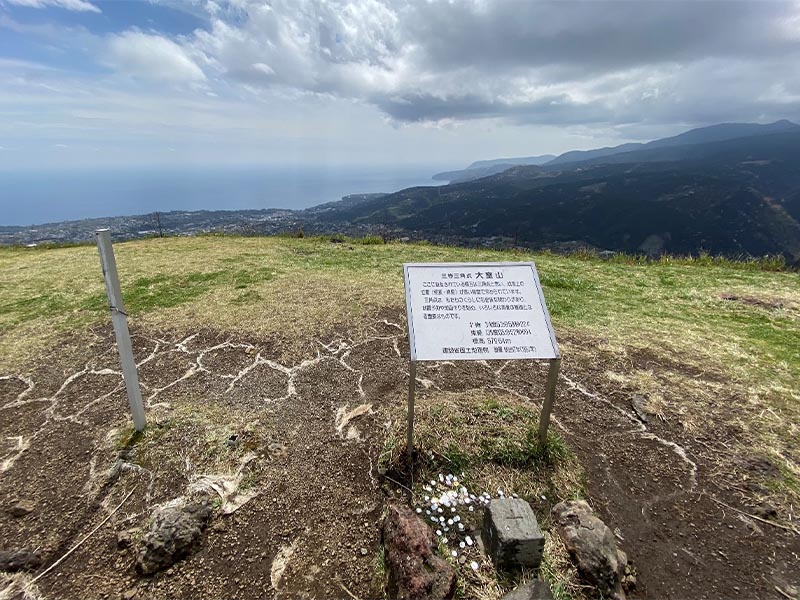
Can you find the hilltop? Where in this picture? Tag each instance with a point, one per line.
(676, 417)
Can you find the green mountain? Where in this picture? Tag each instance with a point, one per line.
(702, 135)
(484, 168)
(522, 160)
(734, 197)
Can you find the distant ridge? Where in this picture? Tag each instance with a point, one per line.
(702, 135)
(701, 191)
(523, 160)
(729, 189)
(484, 168)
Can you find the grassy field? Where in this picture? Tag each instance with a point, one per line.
(739, 319)
(728, 317)
(739, 322)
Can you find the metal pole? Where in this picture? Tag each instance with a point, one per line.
(549, 399)
(412, 379)
(120, 322)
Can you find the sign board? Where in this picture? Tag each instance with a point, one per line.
(477, 311)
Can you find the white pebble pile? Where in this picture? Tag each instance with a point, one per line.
(445, 504)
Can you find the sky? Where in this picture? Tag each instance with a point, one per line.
(95, 84)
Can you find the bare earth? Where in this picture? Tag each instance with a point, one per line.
(307, 500)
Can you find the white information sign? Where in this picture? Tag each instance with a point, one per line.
(477, 311)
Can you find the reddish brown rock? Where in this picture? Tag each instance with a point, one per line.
(415, 572)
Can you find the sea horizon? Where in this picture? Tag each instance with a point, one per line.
(37, 197)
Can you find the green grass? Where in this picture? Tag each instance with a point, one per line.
(739, 321)
(245, 283)
(250, 284)
(296, 288)
(495, 419)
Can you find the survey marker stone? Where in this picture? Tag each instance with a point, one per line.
(511, 534)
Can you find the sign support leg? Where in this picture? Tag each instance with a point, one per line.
(549, 399)
(120, 322)
(412, 381)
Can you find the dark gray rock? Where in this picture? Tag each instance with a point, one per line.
(536, 589)
(12, 561)
(415, 572)
(511, 535)
(592, 546)
(21, 508)
(124, 539)
(174, 534)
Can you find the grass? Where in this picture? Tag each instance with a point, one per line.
(738, 322)
(675, 307)
(175, 280)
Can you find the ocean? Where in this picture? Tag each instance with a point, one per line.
(35, 197)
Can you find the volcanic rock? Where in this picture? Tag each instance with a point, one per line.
(175, 532)
(592, 546)
(415, 572)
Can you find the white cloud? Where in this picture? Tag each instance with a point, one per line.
(77, 5)
(602, 62)
(398, 80)
(345, 48)
(154, 57)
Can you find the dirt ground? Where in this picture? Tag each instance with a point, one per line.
(303, 471)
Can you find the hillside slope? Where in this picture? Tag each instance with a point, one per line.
(732, 197)
(484, 168)
(702, 135)
(677, 417)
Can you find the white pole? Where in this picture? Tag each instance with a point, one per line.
(120, 322)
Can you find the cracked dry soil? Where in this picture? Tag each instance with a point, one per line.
(310, 436)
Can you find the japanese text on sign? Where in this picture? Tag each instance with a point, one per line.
(462, 311)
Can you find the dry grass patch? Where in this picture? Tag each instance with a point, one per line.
(681, 312)
(491, 438)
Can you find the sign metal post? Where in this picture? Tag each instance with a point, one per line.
(479, 311)
(120, 323)
(412, 384)
(549, 399)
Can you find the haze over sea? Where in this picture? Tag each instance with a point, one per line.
(33, 197)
